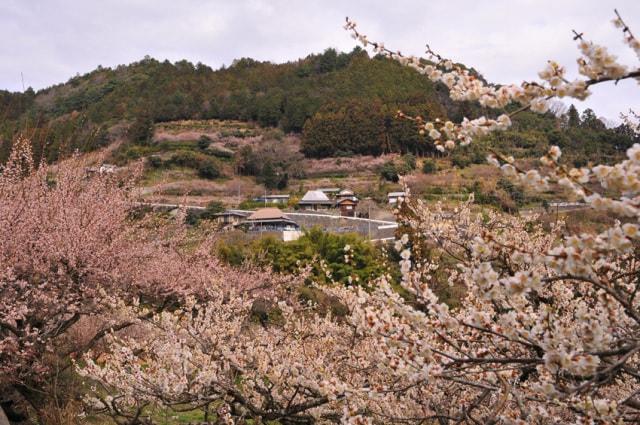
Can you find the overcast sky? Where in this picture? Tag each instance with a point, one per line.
(50, 41)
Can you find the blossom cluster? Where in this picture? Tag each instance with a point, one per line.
(629, 38)
(595, 63)
(632, 121)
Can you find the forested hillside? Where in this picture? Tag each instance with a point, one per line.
(342, 103)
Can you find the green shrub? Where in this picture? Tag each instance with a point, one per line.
(460, 161)
(365, 262)
(266, 312)
(283, 182)
(186, 159)
(204, 142)
(206, 166)
(220, 152)
(429, 167)
(195, 216)
(324, 303)
(389, 172)
(208, 170)
(343, 154)
(128, 152)
(481, 197)
(515, 192)
(409, 161)
(232, 253)
(580, 162)
(478, 157)
(141, 130)
(250, 204)
(273, 134)
(154, 161)
(215, 207)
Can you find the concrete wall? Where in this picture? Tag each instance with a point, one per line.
(337, 224)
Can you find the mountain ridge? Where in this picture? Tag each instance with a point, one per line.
(342, 104)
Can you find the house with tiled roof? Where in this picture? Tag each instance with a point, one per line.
(269, 219)
(315, 200)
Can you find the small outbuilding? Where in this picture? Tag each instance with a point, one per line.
(273, 199)
(347, 206)
(396, 197)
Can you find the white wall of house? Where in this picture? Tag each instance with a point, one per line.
(291, 235)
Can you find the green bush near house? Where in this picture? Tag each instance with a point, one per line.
(195, 216)
(316, 247)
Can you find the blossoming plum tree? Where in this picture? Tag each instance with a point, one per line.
(547, 332)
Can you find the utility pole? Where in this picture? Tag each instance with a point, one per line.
(22, 78)
(369, 220)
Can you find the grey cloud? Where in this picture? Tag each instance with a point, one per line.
(507, 40)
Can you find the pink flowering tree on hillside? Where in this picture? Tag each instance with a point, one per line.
(72, 258)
